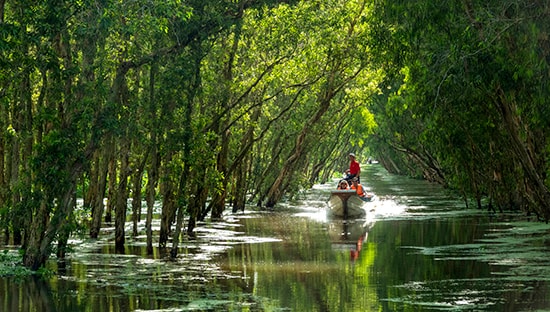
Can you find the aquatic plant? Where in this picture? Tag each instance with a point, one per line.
(11, 264)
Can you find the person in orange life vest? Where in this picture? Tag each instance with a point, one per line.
(343, 185)
(358, 189)
(354, 170)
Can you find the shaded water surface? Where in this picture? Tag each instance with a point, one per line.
(418, 250)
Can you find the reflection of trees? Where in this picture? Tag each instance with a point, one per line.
(400, 265)
(36, 296)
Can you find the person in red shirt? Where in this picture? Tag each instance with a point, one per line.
(354, 170)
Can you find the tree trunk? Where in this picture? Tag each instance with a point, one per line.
(99, 187)
(93, 174)
(512, 124)
(137, 179)
(152, 180)
(168, 205)
(186, 140)
(66, 230)
(22, 91)
(120, 97)
(34, 256)
(199, 202)
(111, 193)
(239, 190)
(91, 194)
(44, 230)
(259, 181)
(240, 166)
(14, 162)
(275, 192)
(152, 172)
(219, 198)
(27, 151)
(93, 41)
(3, 185)
(225, 135)
(122, 196)
(182, 189)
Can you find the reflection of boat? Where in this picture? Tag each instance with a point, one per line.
(343, 232)
(347, 204)
(349, 235)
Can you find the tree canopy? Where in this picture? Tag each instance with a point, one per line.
(467, 97)
(198, 104)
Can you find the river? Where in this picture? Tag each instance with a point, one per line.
(419, 249)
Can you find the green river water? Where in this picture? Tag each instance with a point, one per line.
(419, 249)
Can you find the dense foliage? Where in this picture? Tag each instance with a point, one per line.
(466, 99)
(197, 104)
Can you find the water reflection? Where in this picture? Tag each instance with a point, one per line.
(417, 250)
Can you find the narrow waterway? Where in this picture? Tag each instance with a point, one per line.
(419, 249)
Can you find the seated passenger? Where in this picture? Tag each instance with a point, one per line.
(359, 189)
(343, 185)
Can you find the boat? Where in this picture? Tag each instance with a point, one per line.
(347, 204)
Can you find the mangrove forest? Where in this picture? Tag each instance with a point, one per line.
(183, 110)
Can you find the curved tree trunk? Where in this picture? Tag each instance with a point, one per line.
(512, 123)
(276, 192)
(240, 165)
(35, 256)
(45, 229)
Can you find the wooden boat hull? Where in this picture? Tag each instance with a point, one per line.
(346, 204)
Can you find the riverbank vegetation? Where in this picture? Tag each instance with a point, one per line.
(467, 98)
(212, 105)
(200, 105)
